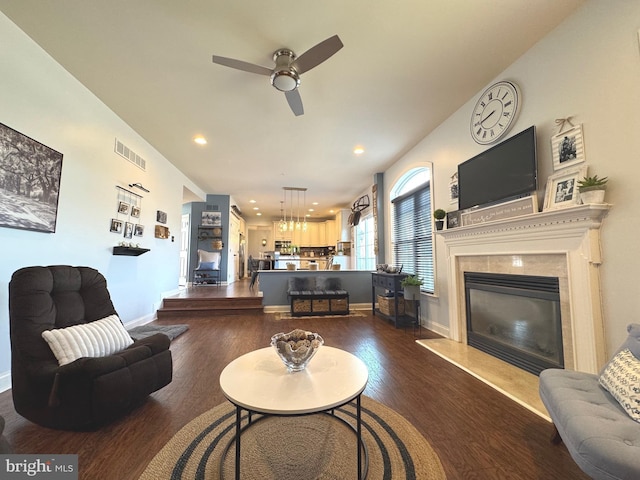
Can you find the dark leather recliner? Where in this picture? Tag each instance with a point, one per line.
(88, 392)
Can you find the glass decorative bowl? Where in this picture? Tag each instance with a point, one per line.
(296, 348)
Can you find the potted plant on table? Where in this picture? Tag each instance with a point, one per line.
(439, 215)
(411, 286)
(592, 189)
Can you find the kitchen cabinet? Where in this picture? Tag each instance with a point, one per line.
(342, 225)
(330, 236)
(315, 236)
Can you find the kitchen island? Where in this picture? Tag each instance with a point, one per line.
(274, 286)
(301, 262)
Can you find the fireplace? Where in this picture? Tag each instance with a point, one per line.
(563, 243)
(516, 318)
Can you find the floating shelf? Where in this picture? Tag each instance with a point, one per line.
(129, 251)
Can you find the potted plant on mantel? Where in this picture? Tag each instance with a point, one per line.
(411, 286)
(592, 189)
(439, 215)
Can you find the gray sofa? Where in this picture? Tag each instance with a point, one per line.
(601, 437)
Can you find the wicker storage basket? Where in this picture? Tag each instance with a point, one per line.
(339, 305)
(301, 305)
(320, 305)
(387, 305)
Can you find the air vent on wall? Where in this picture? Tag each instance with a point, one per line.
(212, 208)
(124, 151)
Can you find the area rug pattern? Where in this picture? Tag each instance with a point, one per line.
(171, 331)
(306, 447)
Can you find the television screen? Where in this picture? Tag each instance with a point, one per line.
(505, 171)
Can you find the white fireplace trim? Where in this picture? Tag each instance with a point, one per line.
(572, 232)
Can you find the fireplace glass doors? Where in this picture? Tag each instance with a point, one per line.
(515, 318)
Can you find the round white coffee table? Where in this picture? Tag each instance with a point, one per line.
(258, 382)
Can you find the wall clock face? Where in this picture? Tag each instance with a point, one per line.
(495, 112)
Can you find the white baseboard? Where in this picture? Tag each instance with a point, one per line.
(5, 381)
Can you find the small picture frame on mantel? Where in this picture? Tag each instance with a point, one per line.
(562, 188)
(567, 148)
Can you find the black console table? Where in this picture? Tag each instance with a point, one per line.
(390, 282)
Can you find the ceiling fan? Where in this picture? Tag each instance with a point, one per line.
(285, 76)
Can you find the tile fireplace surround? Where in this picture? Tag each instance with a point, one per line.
(559, 243)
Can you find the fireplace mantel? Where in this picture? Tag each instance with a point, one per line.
(573, 235)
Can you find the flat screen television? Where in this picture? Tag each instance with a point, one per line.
(505, 171)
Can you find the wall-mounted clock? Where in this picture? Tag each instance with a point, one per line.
(495, 112)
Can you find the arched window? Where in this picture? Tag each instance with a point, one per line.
(412, 235)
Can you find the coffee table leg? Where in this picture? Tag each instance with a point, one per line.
(238, 419)
(359, 437)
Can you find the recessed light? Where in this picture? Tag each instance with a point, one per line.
(312, 210)
(314, 203)
(259, 214)
(252, 201)
(358, 150)
(256, 208)
(200, 140)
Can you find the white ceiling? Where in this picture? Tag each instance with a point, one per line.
(405, 67)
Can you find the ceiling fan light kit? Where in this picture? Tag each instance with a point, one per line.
(285, 76)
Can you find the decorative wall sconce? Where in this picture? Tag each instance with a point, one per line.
(264, 242)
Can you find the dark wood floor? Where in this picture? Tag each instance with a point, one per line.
(477, 432)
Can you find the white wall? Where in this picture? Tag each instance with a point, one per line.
(588, 68)
(43, 101)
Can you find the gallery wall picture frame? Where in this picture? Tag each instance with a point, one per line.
(116, 226)
(135, 211)
(161, 216)
(161, 232)
(562, 188)
(567, 148)
(30, 173)
(123, 208)
(138, 230)
(128, 229)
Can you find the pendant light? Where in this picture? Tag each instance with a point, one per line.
(304, 212)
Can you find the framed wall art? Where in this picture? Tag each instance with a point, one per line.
(562, 188)
(123, 208)
(135, 211)
(116, 226)
(138, 230)
(211, 219)
(161, 216)
(567, 148)
(30, 175)
(454, 191)
(128, 230)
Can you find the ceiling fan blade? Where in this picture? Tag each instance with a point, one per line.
(240, 65)
(295, 102)
(318, 54)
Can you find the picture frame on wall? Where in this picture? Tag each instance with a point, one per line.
(161, 216)
(211, 219)
(135, 211)
(454, 189)
(123, 208)
(562, 188)
(138, 230)
(128, 229)
(453, 219)
(567, 148)
(30, 178)
(116, 226)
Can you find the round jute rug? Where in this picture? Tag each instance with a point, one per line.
(315, 446)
